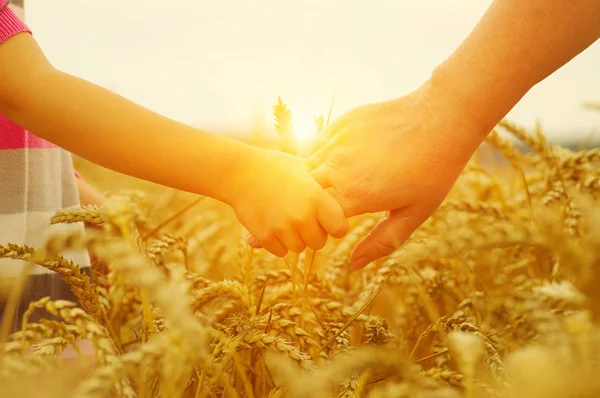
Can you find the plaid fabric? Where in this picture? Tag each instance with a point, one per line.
(36, 180)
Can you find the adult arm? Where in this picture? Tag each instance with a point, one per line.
(515, 45)
(427, 136)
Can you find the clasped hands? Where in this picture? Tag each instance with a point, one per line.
(401, 156)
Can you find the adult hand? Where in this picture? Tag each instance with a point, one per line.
(402, 155)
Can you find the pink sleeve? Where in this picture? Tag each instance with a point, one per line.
(10, 25)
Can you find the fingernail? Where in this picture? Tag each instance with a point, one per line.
(360, 262)
(252, 241)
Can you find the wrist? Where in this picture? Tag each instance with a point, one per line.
(481, 97)
(444, 121)
(242, 167)
(216, 170)
(460, 100)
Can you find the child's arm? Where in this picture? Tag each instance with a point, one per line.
(272, 194)
(108, 129)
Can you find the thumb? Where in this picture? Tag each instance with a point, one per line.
(388, 235)
(320, 156)
(329, 132)
(323, 176)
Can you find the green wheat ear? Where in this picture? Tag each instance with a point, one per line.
(284, 128)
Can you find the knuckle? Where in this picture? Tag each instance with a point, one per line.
(383, 248)
(297, 220)
(355, 189)
(279, 229)
(302, 217)
(266, 236)
(338, 160)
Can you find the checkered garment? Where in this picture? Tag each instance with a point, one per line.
(36, 180)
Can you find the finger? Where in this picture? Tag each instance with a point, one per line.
(388, 235)
(322, 175)
(292, 240)
(350, 207)
(329, 132)
(331, 217)
(319, 157)
(314, 235)
(274, 246)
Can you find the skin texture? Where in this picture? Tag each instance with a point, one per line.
(88, 195)
(427, 136)
(272, 193)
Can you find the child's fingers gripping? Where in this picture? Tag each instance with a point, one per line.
(274, 246)
(292, 240)
(314, 235)
(331, 216)
(322, 175)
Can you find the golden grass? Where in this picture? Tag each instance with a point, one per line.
(496, 295)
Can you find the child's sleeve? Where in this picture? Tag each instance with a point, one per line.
(10, 25)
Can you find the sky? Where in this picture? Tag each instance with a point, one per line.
(220, 65)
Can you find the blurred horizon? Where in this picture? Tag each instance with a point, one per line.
(220, 66)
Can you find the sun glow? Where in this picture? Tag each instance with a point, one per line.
(304, 130)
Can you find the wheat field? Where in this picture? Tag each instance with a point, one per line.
(496, 295)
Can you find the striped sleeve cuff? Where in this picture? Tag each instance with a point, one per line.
(10, 25)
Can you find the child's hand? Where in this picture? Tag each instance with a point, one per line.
(283, 207)
(88, 195)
